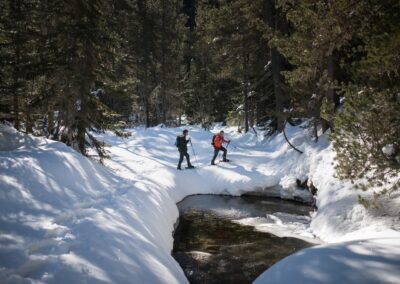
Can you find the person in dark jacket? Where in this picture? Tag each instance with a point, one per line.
(181, 143)
(217, 143)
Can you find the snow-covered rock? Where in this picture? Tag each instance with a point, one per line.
(389, 150)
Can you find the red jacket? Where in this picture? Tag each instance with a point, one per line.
(218, 140)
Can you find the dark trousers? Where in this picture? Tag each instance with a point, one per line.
(216, 151)
(183, 153)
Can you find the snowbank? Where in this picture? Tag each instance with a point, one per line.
(373, 260)
(67, 219)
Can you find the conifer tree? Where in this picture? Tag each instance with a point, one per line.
(228, 58)
(87, 47)
(320, 29)
(367, 133)
(18, 57)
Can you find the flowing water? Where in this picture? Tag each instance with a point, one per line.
(212, 247)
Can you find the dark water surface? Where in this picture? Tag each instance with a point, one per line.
(212, 249)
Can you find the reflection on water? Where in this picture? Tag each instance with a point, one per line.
(212, 249)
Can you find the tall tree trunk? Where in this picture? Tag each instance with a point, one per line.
(332, 95)
(16, 100)
(252, 116)
(142, 9)
(208, 108)
(245, 92)
(50, 120)
(147, 110)
(271, 19)
(279, 100)
(16, 14)
(28, 117)
(246, 109)
(146, 94)
(164, 105)
(82, 118)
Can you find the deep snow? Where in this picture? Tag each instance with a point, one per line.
(372, 260)
(65, 218)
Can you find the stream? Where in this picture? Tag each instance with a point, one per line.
(216, 240)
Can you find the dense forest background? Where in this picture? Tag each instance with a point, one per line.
(70, 67)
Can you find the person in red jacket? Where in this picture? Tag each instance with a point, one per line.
(217, 143)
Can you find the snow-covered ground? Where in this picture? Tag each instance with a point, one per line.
(67, 219)
(370, 260)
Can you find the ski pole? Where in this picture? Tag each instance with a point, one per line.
(219, 155)
(234, 147)
(194, 153)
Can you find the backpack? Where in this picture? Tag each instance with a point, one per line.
(177, 141)
(212, 141)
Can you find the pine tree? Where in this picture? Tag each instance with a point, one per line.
(19, 41)
(168, 53)
(82, 33)
(364, 133)
(319, 31)
(228, 59)
(277, 25)
(350, 49)
(152, 58)
(367, 129)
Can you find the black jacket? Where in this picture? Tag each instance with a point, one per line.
(182, 143)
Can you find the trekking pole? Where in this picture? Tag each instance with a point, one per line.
(219, 156)
(234, 147)
(194, 153)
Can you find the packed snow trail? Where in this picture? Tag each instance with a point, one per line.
(150, 153)
(67, 219)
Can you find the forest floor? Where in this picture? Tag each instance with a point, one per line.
(67, 219)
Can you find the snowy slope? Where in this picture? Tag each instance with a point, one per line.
(67, 219)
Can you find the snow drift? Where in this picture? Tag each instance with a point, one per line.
(66, 219)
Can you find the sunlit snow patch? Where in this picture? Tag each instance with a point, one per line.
(282, 225)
